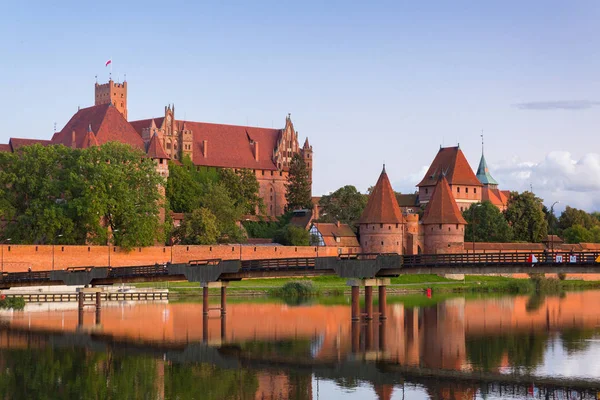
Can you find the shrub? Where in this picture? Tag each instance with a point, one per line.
(16, 303)
(296, 290)
(562, 276)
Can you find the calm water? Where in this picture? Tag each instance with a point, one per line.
(456, 348)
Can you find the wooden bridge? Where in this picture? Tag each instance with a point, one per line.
(368, 270)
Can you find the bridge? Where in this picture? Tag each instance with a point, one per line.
(368, 270)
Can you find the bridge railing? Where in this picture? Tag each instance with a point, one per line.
(484, 259)
(136, 271)
(279, 264)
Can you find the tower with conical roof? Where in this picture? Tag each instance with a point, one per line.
(443, 224)
(483, 172)
(381, 225)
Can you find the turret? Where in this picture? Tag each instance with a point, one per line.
(113, 93)
(443, 224)
(381, 225)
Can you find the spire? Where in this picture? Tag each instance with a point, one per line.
(382, 207)
(155, 149)
(441, 208)
(483, 173)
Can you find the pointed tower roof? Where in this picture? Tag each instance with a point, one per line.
(89, 140)
(156, 149)
(450, 161)
(483, 173)
(382, 207)
(442, 208)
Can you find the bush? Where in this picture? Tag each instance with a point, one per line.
(296, 290)
(291, 235)
(16, 303)
(562, 276)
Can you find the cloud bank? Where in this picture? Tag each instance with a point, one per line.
(558, 105)
(558, 177)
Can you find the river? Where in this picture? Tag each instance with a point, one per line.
(472, 347)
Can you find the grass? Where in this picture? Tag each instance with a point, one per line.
(332, 285)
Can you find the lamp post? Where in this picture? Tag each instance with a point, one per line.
(6, 240)
(552, 230)
(109, 237)
(53, 241)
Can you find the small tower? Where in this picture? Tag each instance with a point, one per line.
(113, 93)
(381, 225)
(307, 155)
(483, 172)
(156, 152)
(443, 224)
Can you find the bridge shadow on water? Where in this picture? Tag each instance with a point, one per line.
(450, 350)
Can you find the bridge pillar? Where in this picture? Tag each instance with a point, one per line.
(223, 328)
(355, 336)
(382, 302)
(205, 301)
(369, 302)
(205, 327)
(80, 299)
(382, 335)
(355, 303)
(369, 335)
(98, 308)
(223, 300)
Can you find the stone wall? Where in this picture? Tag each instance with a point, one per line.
(19, 258)
(444, 238)
(381, 238)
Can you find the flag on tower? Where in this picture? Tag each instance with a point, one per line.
(108, 62)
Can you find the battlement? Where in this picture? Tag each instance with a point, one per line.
(112, 93)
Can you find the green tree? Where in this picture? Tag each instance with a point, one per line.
(489, 224)
(243, 188)
(291, 235)
(198, 227)
(573, 216)
(217, 200)
(578, 234)
(524, 214)
(345, 205)
(298, 185)
(119, 190)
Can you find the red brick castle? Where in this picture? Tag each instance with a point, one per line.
(266, 152)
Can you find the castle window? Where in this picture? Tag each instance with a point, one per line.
(475, 190)
(373, 227)
(396, 225)
(263, 172)
(456, 226)
(466, 190)
(382, 242)
(440, 226)
(160, 161)
(381, 225)
(271, 173)
(280, 173)
(390, 227)
(457, 189)
(426, 191)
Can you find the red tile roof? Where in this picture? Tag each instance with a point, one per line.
(156, 149)
(331, 232)
(107, 123)
(382, 207)
(146, 123)
(232, 146)
(89, 140)
(494, 196)
(442, 208)
(5, 148)
(452, 162)
(16, 143)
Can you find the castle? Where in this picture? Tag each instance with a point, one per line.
(448, 188)
(266, 152)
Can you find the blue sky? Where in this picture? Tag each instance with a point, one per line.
(367, 82)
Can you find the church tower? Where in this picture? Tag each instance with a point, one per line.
(307, 155)
(113, 93)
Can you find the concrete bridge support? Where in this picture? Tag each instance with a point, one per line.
(214, 285)
(381, 283)
(97, 304)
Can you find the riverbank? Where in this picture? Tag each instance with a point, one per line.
(406, 284)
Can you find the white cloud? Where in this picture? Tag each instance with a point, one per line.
(558, 177)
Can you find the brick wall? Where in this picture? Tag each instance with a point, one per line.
(19, 258)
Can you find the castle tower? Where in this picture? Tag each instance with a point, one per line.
(443, 224)
(113, 93)
(156, 152)
(483, 172)
(381, 225)
(307, 155)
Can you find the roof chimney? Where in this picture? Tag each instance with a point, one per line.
(73, 139)
(256, 151)
(205, 148)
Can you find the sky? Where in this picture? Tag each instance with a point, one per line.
(367, 82)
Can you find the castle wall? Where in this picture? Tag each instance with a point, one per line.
(464, 195)
(381, 238)
(19, 258)
(272, 190)
(444, 238)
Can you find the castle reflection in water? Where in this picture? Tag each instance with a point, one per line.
(448, 348)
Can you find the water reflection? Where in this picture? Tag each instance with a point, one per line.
(494, 347)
